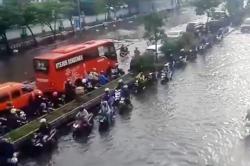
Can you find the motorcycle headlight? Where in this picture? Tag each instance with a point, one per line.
(75, 125)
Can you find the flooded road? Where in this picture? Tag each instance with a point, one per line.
(20, 67)
(198, 119)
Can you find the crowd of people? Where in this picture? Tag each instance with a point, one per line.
(45, 104)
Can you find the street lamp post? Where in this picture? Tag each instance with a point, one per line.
(79, 14)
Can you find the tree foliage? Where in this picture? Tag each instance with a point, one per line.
(153, 29)
(68, 9)
(143, 63)
(173, 46)
(8, 18)
(205, 6)
(234, 6)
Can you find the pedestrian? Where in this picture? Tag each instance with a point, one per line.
(69, 91)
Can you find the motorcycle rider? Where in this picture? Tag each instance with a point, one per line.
(69, 91)
(89, 84)
(166, 68)
(123, 51)
(140, 77)
(114, 71)
(167, 71)
(120, 84)
(103, 79)
(13, 119)
(106, 111)
(85, 85)
(45, 106)
(3, 125)
(117, 97)
(137, 52)
(44, 128)
(7, 153)
(83, 115)
(95, 77)
(108, 97)
(55, 99)
(126, 94)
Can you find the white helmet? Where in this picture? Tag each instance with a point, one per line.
(84, 80)
(13, 110)
(125, 86)
(43, 120)
(22, 113)
(166, 65)
(106, 89)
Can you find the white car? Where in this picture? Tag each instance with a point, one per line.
(151, 49)
(174, 34)
(245, 27)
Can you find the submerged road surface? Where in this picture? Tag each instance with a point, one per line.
(20, 67)
(198, 119)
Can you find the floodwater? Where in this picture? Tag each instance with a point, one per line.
(197, 119)
(20, 67)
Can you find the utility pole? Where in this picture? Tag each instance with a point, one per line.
(79, 14)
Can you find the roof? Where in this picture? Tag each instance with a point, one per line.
(6, 87)
(72, 48)
(174, 34)
(152, 47)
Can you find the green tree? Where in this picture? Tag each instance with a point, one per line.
(234, 6)
(68, 9)
(48, 13)
(113, 6)
(205, 6)
(8, 18)
(28, 17)
(153, 29)
(131, 4)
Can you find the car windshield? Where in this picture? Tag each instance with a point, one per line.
(173, 33)
(247, 21)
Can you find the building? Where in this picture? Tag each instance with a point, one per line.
(158, 5)
(38, 1)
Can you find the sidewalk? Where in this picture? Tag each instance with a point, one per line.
(144, 7)
(37, 29)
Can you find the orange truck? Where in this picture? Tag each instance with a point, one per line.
(17, 94)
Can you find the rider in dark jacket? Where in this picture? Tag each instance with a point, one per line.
(69, 91)
(6, 152)
(126, 93)
(120, 84)
(44, 128)
(103, 79)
